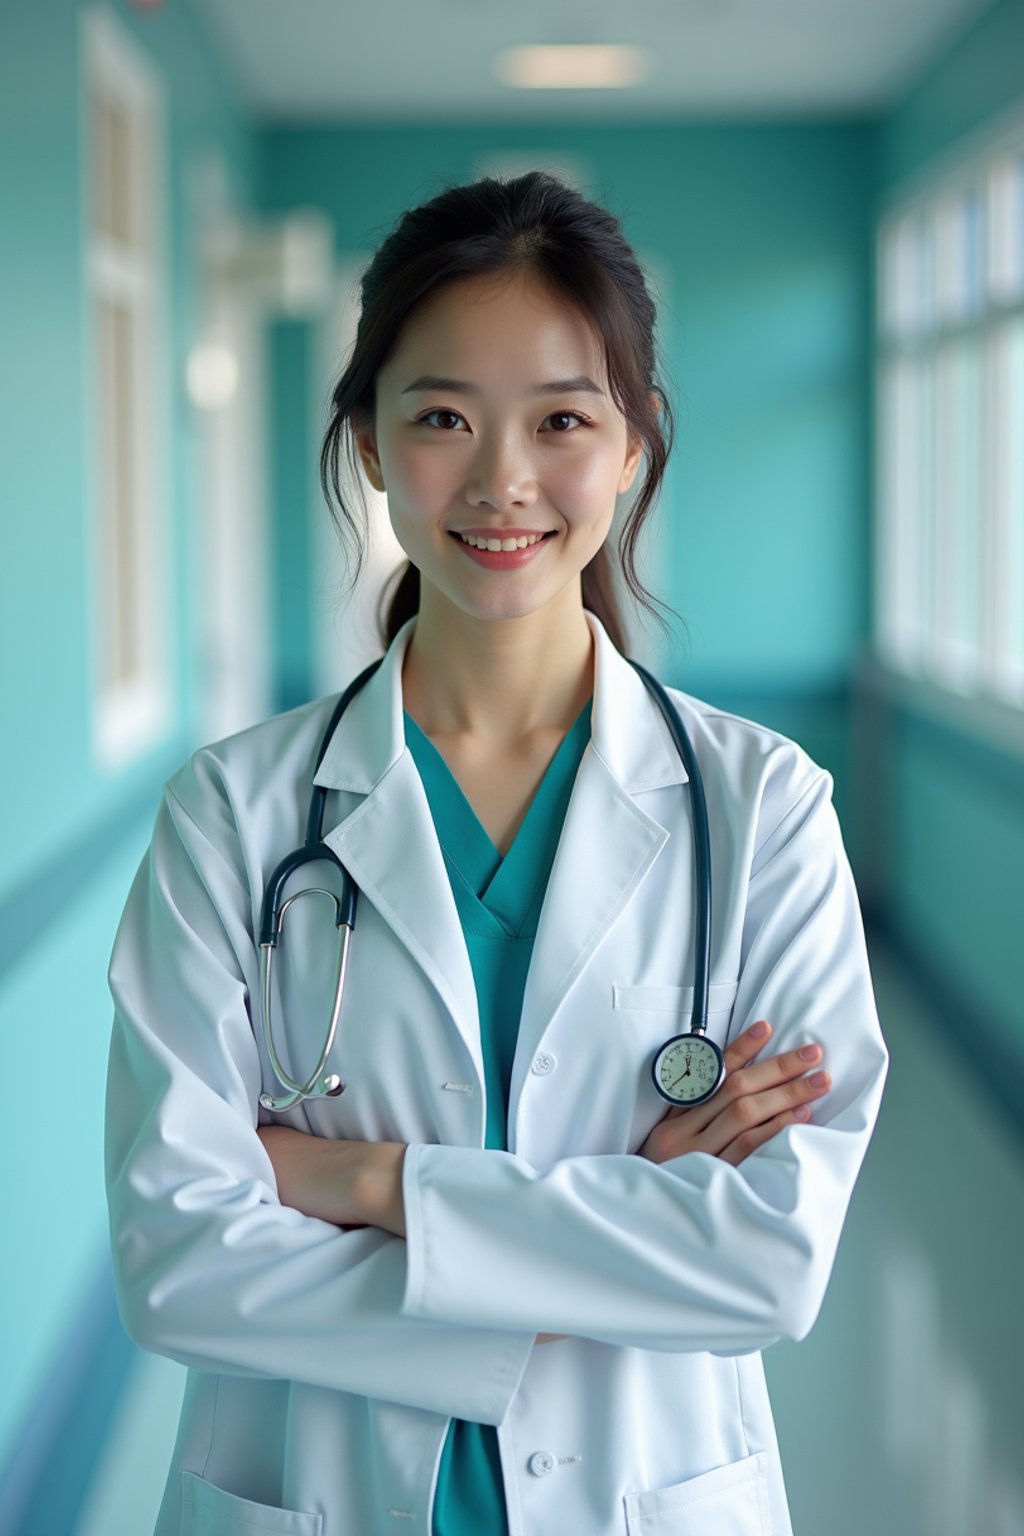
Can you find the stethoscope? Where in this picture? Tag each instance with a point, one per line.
(687, 1069)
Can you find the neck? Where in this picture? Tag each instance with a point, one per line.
(498, 679)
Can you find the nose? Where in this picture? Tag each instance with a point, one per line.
(501, 476)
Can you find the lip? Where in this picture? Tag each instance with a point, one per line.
(501, 533)
(502, 559)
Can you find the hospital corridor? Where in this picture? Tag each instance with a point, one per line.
(826, 201)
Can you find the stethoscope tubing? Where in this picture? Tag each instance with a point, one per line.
(272, 919)
(701, 851)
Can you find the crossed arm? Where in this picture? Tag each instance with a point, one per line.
(698, 1255)
(359, 1183)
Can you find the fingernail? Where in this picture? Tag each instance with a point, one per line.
(760, 1029)
(811, 1052)
(818, 1080)
(803, 1113)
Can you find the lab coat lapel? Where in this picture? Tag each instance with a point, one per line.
(389, 845)
(608, 841)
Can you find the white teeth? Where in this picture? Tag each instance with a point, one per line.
(495, 544)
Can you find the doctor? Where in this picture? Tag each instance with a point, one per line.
(494, 1286)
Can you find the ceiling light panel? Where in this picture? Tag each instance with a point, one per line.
(572, 66)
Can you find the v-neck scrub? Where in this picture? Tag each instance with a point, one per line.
(498, 901)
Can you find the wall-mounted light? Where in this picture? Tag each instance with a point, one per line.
(573, 66)
(211, 375)
(285, 265)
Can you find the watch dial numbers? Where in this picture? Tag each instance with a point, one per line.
(704, 1067)
(687, 1070)
(668, 1072)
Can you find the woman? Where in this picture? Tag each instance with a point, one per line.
(494, 1285)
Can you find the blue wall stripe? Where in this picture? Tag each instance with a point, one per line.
(61, 1440)
(983, 761)
(27, 911)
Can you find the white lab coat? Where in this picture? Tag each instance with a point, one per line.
(324, 1363)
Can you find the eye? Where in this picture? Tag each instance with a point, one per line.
(570, 416)
(439, 411)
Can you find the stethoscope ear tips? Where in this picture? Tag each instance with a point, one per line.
(332, 1086)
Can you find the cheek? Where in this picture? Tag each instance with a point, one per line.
(418, 480)
(588, 486)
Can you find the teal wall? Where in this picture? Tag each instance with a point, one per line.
(72, 834)
(966, 88)
(955, 863)
(947, 876)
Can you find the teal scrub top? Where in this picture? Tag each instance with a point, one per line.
(499, 901)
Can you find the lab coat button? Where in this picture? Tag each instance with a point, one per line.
(543, 1063)
(541, 1463)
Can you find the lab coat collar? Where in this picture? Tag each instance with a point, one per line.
(628, 732)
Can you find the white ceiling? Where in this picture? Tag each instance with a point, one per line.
(432, 59)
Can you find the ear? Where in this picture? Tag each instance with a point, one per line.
(629, 469)
(366, 442)
(635, 454)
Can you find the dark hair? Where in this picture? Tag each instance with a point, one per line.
(539, 225)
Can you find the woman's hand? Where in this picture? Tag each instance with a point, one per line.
(349, 1183)
(754, 1103)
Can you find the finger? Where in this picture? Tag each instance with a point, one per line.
(744, 1115)
(746, 1045)
(753, 1111)
(750, 1140)
(757, 1076)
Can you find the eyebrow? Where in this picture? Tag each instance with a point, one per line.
(578, 383)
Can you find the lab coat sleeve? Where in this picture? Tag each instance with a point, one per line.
(694, 1254)
(210, 1268)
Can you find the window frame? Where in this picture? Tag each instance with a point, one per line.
(953, 633)
(130, 576)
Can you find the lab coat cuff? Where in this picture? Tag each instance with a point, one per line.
(414, 1297)
(507, 1353)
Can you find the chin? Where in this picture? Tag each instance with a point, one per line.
(496, 612)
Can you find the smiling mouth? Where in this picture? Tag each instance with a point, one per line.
(498, 542)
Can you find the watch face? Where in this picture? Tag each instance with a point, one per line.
(688, 1069)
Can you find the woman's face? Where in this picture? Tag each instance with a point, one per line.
(495, 451)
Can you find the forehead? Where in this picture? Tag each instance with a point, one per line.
(497, 324)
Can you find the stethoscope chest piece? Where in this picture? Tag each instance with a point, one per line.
(688, 1069)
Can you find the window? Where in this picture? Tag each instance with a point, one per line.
(126, 366)
(950, 400)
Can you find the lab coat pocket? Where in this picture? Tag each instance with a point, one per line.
(207, 1510)
(675, 1001)
(729, 1501)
